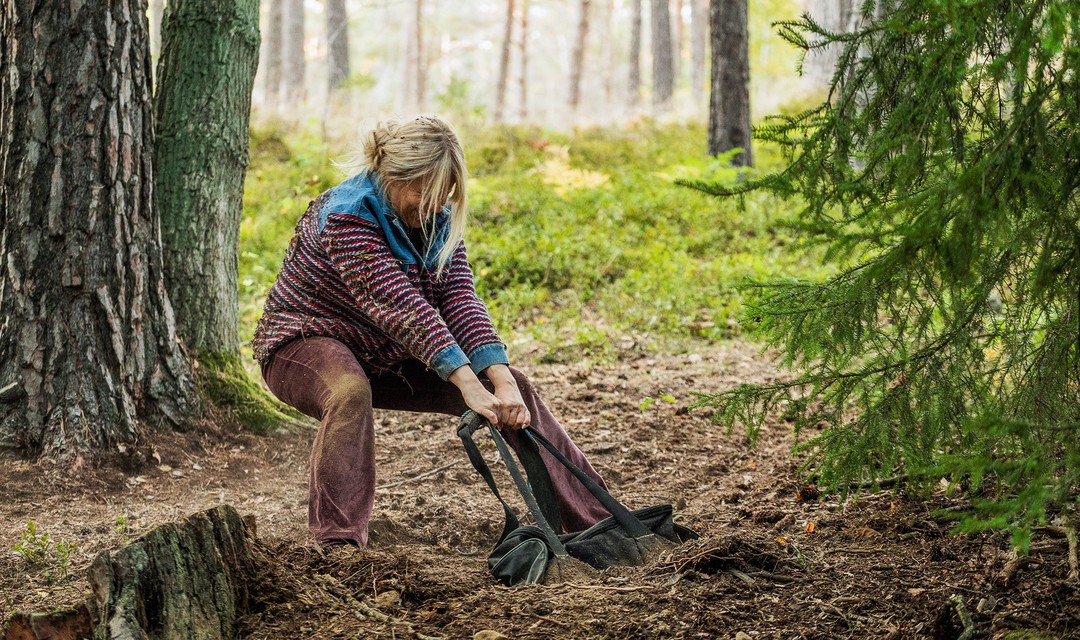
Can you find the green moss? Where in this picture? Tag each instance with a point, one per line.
(237, 399)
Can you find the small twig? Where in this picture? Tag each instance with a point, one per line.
(776, 577)
(364, 610)
(423, 475)
(741, 576)
(883, 483)
(965, 617)
(601, 587)
(551, 620)
(837, 611)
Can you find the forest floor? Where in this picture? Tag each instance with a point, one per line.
(774, 560)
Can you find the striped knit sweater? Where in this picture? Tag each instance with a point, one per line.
(350, 273)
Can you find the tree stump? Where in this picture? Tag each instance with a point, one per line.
(180, 581)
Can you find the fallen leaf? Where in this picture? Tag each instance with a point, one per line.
(809, 527)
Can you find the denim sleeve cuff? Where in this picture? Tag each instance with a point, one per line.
(446, 361)
(484, 356)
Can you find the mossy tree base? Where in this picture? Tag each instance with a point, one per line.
(237, 400)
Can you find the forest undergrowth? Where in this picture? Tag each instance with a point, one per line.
(581, 242)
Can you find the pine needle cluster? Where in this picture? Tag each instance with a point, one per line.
(942, 170)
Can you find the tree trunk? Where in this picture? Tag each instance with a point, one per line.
(293, 51)
(577, 57)
(677, 39)
(838, 16)
(729, 100)
(663, 66)
(634, 78)
(180, 581)
(272, 68)
(607, 39)
(421, 58)
(412, 95)
(157, 10)
(337, 44)
(504, 62)
(523, 63)
(88, 347)
(201, 158)
(699, 34)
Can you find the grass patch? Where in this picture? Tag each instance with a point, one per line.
(581, 241)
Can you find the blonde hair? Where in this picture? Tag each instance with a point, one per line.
(424, 149)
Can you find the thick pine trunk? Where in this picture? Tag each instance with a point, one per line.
(504, 63)
(88, 346)
(337, 44)
(633, 97)
(274, 45)
(729, 102)
(202, 155)
(663, 66)
(577, 57)
(294, 62)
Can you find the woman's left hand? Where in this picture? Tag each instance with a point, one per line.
(513, 413)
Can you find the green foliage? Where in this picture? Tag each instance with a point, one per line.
(942, 173)
(580, 241)
(38, 549)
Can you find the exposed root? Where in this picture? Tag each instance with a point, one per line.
(1070, 535)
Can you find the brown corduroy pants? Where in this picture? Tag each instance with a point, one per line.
(322, 378)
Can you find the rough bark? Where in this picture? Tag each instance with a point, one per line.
(633, 98)
(88, 348)
(729, 101)
(294, 62)
(699, 34)
(273, 41)
(337, 44)
(663, 67)
(504, 63)
(180, 581)
(201, 157)
(523, 63)
(577, 57)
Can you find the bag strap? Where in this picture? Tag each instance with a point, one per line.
(622, 515)
(470, 422)
(477, 460)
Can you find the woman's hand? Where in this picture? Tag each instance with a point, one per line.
(504, 408)
(514, 412)
(476, 396)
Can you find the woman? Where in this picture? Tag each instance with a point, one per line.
(375, 306)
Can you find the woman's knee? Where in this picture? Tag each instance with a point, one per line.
(349, 393)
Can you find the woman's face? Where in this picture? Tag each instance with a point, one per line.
(405, 199)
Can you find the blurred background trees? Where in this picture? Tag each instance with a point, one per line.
(570, 62)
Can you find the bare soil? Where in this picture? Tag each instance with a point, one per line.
(774, 561)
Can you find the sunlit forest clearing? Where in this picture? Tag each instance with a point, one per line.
(582, 243)
(796, 279)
